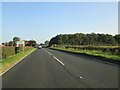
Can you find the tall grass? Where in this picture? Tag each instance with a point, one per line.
(107, 55)
(10, 50)
(107, 49)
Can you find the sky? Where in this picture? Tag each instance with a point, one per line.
(41, 21)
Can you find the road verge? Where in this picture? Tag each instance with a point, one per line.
(97, 57)
(9, 62)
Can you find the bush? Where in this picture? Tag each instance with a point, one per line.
(11, 50)
(8, 51)
(108, 49)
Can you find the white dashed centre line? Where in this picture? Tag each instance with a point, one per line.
(49, 53)
(54, 57)
(58, 60)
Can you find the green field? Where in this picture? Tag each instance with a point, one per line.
(100, 53)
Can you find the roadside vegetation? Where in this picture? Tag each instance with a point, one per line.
(11, 60)
(105, 54)
(8, 51)
(86, 39)
(103, 45)
(14, 51)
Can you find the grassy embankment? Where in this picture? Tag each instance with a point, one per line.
(8, 62)
(107, 55)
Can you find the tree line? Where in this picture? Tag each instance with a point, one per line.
(85, 39)
(15, 39)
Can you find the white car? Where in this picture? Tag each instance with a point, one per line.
(39, 47)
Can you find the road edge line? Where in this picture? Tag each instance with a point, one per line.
(16, 63)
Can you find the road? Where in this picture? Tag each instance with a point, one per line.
(46, 68)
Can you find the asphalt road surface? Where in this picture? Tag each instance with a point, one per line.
(46, 68)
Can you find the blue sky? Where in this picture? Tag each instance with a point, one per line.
(43, 20)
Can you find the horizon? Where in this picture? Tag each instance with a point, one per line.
(52, 37)
(42, 21)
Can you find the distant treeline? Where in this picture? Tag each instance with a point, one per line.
(85, 39)
(15, 39)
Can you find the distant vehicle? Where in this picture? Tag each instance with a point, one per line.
(39, 47)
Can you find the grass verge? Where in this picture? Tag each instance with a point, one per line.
(90, 52)
(10, 61)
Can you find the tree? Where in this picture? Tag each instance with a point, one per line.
(117, 38)
(85, 39)
(110, 40)
(32, 43)
(11, 43)
(15, 39)
(47, 43)
(53, 41)
(3, 43)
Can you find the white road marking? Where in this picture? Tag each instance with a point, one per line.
(9, 68)
(58, 60)
(47, 52)
(50, 53)
(15, 64)
(54, 57)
